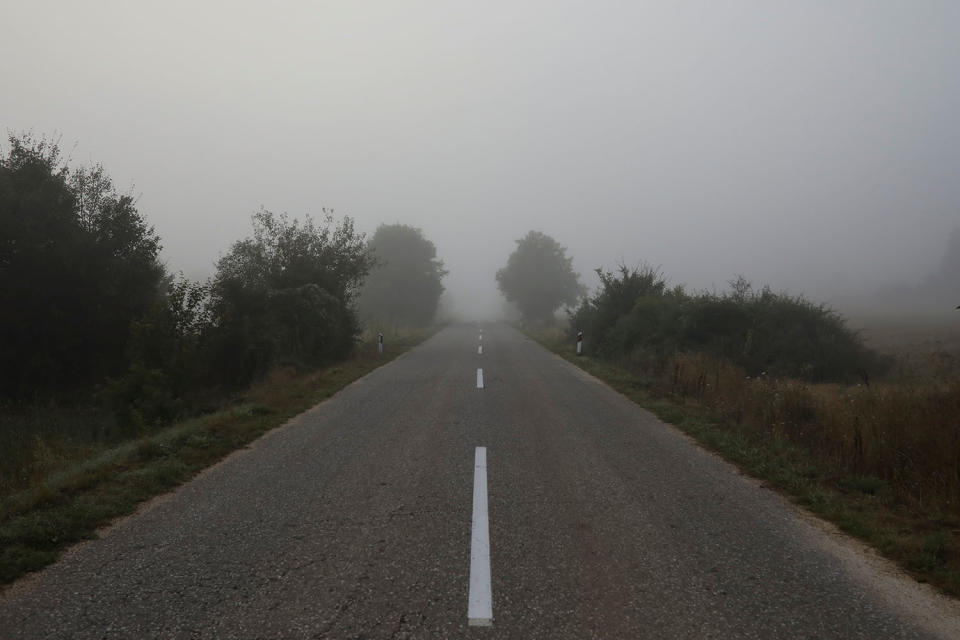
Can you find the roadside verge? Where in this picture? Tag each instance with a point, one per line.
(37, 524)
(920, 540)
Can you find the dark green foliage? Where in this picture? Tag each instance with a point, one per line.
(405, 286)
(539, 278)
(77, 265)
(285, 296)
(636, 316)
(168, 354)
(598, 316)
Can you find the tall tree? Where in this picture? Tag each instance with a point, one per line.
(405, 286)
(75, 271)
(539, 278)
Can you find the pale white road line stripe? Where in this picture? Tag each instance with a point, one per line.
(480, 607)
(479, 378)
(481, 337)
(480, 350)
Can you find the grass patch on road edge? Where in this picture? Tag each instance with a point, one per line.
(916, 539)
(38, 523)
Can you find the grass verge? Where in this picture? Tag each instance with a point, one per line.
(38, 523)
(922, 540)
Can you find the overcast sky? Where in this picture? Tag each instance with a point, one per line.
(813, 146)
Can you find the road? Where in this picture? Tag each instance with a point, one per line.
(355, 521)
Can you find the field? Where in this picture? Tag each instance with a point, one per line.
(921, 348)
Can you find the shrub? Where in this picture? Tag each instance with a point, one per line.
(78, 264)
(636, 316)
(285, 296)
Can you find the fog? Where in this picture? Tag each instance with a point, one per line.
(811, 146)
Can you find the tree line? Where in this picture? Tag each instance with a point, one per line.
(635, 318)
(86, 303)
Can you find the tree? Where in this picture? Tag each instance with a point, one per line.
(539, 278)
(405, 286)
(285, 295)
(78, 264)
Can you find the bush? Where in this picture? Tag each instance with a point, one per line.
(285, 296)
(636, 316)
(169, 358)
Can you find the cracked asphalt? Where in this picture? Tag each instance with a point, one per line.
(353, 521)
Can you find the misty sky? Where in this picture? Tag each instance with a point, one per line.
(810, 145)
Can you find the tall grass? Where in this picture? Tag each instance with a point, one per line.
(901, 436)
(37, 438)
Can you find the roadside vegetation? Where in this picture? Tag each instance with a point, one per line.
(82, 487)
(783, 388)
(120, 380)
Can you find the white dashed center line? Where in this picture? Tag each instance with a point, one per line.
(480, 350)
(480, 600)
(479, 378)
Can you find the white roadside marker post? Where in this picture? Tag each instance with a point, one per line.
(579, 342)
(379, 343)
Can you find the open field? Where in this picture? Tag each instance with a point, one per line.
(921, 348)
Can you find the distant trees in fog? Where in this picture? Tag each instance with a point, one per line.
(404, 286)
(539, 278)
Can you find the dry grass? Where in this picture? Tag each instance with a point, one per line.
(906, 435)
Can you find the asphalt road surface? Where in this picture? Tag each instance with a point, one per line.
(356, 520)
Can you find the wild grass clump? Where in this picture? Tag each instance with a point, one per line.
(635, 316)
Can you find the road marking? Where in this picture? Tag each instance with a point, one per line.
(480, 350)
(481, 337)
(480, 600)
(479, 378)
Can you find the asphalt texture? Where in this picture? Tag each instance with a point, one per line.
(354, 521)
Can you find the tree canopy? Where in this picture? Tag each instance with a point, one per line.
(285, 294)
(539, 277)
(405, 286)
(78, 264)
